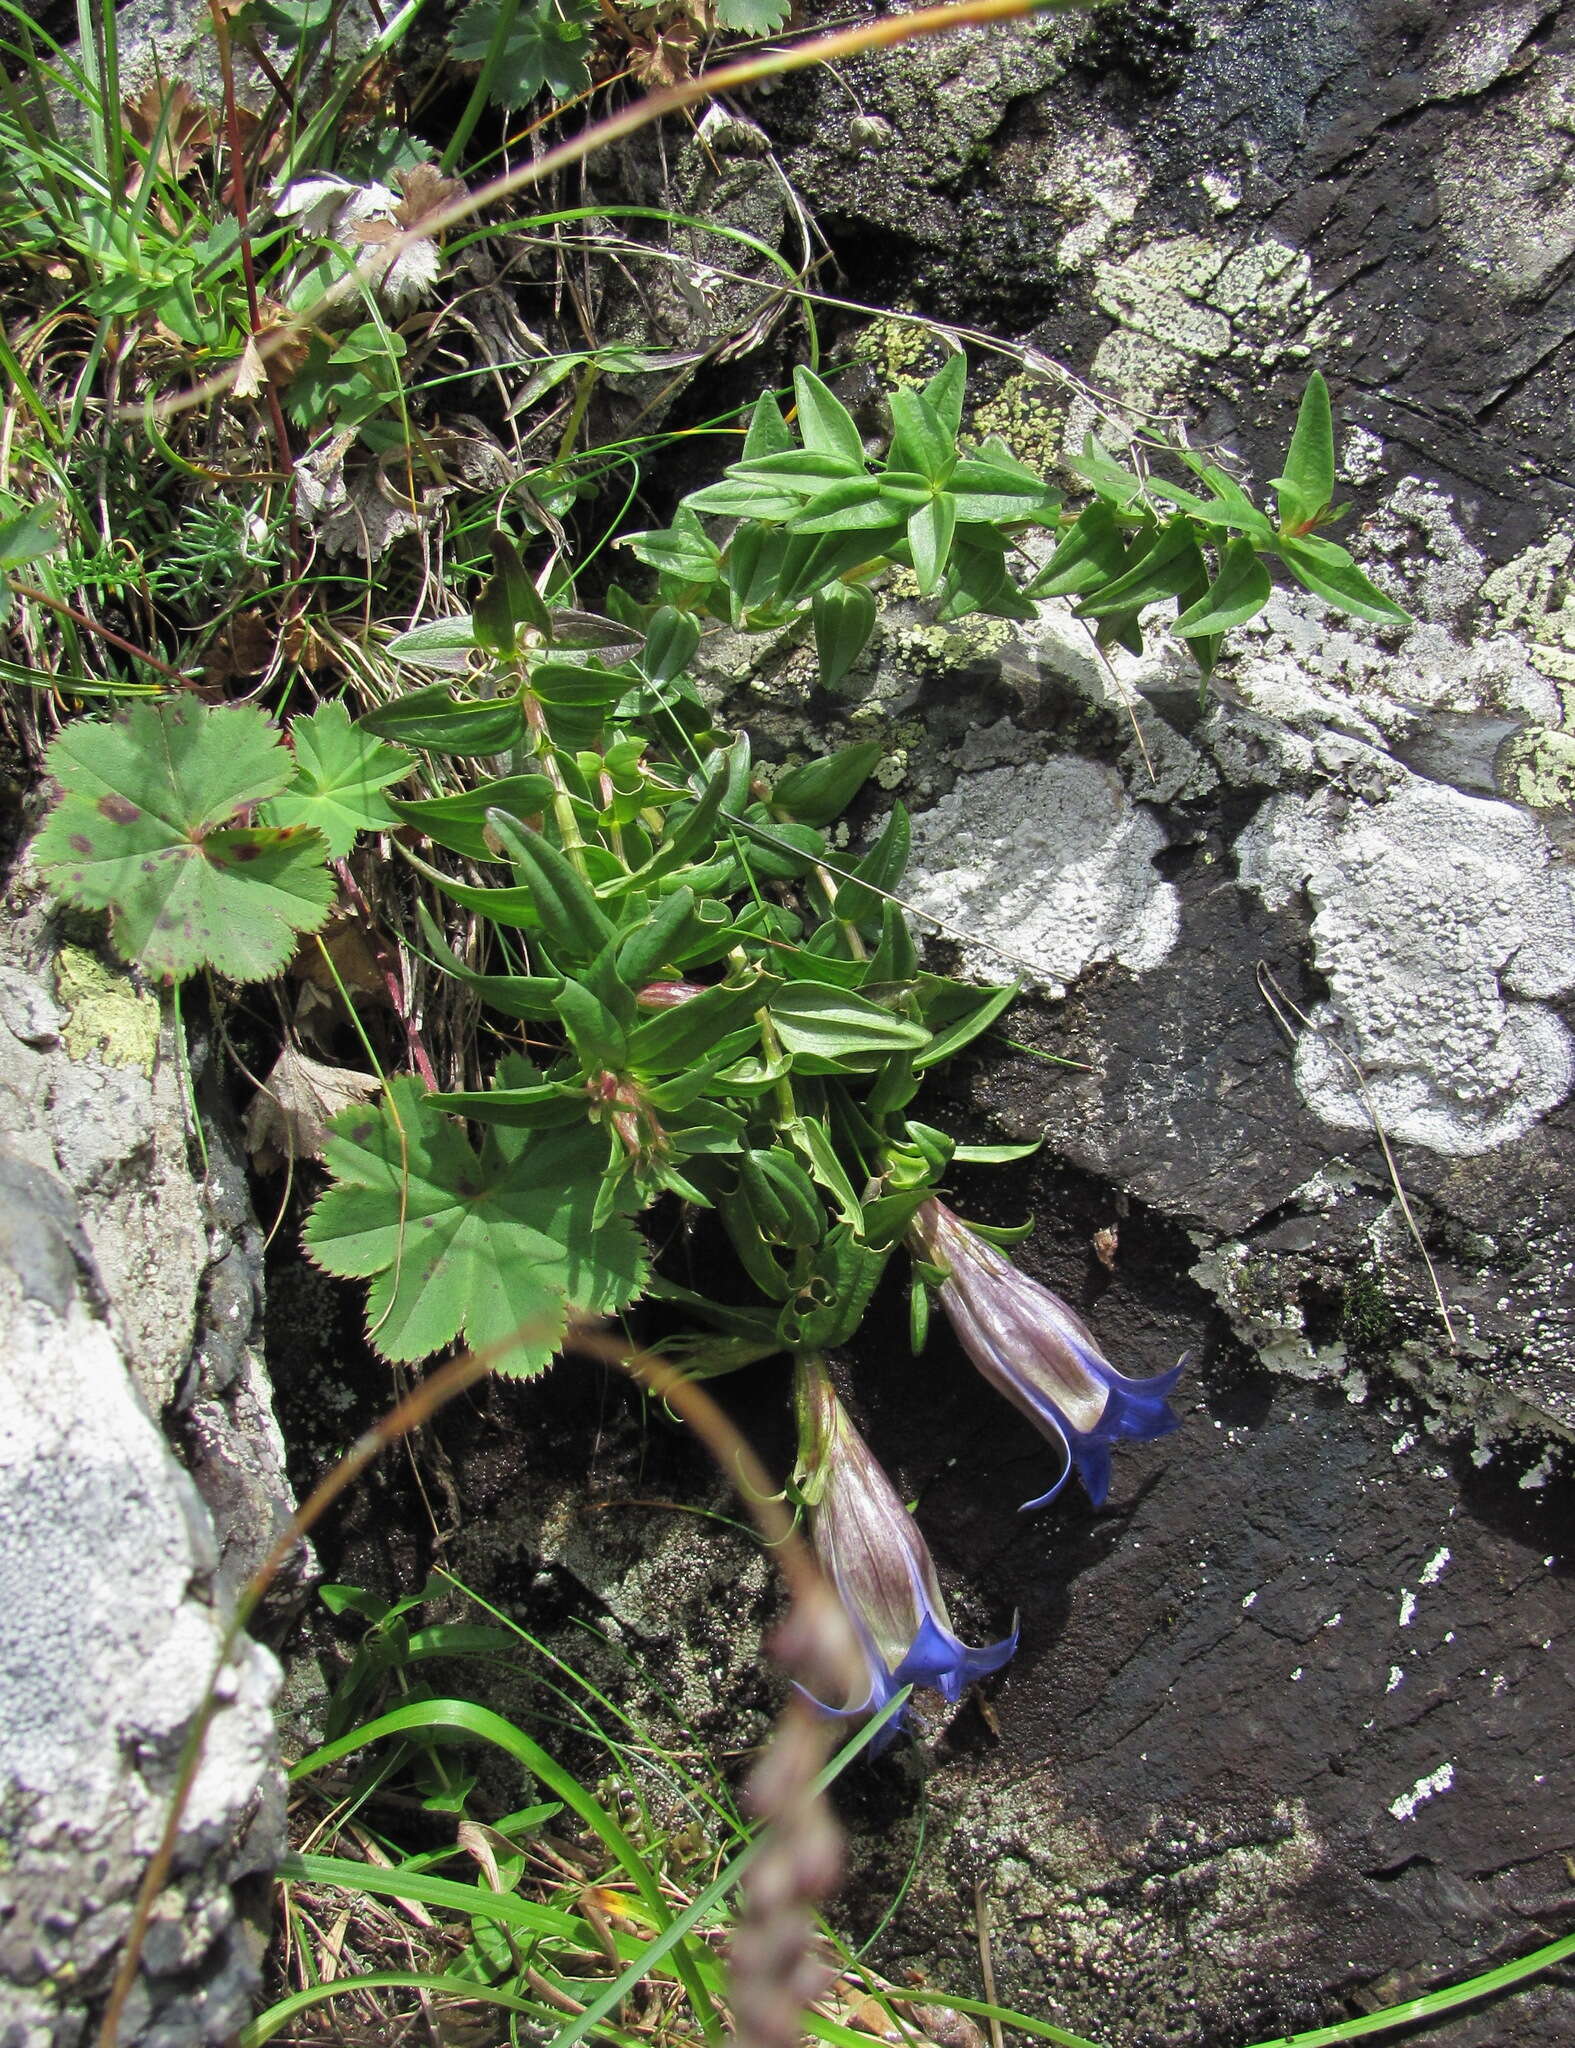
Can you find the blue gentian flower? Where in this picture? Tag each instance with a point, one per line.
(1039, 1353)
(878, 1562)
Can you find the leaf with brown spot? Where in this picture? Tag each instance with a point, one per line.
(154, 793)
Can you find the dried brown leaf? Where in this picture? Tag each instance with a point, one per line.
(426, 192)
(289, 1114)
(244, 647)
(188, 129)
(664, 58)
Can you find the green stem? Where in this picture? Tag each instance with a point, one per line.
(481, 91)
(562, 808)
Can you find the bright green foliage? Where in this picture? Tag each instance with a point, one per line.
(818, 519)
(527, 44)
(724, 1010)
(752, 17)
(455, 1243)
(1306, 490)
(340, 775)
(144, 829)
(27, 533)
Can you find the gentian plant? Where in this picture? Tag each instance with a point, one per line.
(693, 1000)
(875, 1556)
(1039, 1353)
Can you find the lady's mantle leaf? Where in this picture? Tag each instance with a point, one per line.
(141, 830)
(751, 17)
(455, 1243)
(341, 771)
(538, 44)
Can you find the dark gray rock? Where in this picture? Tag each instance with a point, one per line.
(1286, 1737)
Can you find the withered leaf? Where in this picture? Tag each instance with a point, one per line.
(426, 192)
(665, 58)
(288, 1115)
(244, 647)
(188, 128)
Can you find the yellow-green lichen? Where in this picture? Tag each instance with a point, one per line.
(953, 646)
(1027, 420)
(109, 1019)
(905, 354)
(1536, 767)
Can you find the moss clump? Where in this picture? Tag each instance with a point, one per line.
(1367, 1322)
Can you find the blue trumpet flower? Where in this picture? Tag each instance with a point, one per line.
(1041, 1355)
(878, 1562)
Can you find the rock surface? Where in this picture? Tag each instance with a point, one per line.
(129, 1295)
(111, 1593)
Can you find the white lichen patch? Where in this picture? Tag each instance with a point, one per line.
(1441, 1780)
(1092, 181)
(1505, 193)
(1052, 863)
(1186, 299)
(1443, 923)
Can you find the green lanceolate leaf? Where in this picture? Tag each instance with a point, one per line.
(1228, 507)
(896, 958)
(930, 531)
(1307, 487)
(671, 1040)
(26, 534)
(820, 791)
(573, 921)
(495, 1248)
(1092, 553)
(819, 1023)
(852, 505)
(824, 422)
(988, 492)
(1328, 572)
(920, 441)
(812, 1138)
(598, 1038)
(445, 644)
(950, 1038)
(433, 718)
(508, 601)
(860, 896)
(341, 772)
(945, 390)
(530, 997)
(844, 615)
(141, 831)
(459, 822)
(1239, 592)
(1164, 570)
(684, 549)
(845, 1274)
(1100, 470)
(670, 643)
